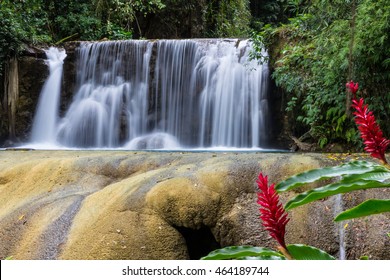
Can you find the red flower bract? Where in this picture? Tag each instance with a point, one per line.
(272, 213)
(352, 87)
(374, 142)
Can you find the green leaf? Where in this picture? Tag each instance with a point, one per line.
(241, 252)
(263, 258)
(332, 189)
(305, 252)
(350, 168)
(368, 207)
(369, 176)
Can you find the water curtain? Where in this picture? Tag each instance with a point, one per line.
(167, 94)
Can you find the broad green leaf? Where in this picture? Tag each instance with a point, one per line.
(239, 252)
(369, 176)
(305, 252)
(332, 189)
(350, 168)
(263, 258)
(368, 207)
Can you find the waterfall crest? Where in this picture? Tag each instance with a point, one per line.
(167, 94)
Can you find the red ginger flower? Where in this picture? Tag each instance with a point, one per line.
(272, 213)
(372, 135)
(352, 87)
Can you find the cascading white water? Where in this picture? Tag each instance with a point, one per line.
(211, 94)
(112, 99)
(233, 101)
(167, 94)
(174, 88)
(44, 127)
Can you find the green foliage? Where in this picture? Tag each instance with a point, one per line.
(275, 11)
(322, 45)
(343, 170)
(231, 18)
(47, 21)
(26, 18)
(352, 176)
(371, 56)
(11, 33)
(21, 22)
(333, 189)
(240, 252)
(368, 207)
(118, 16)
(115, 32)
(37, 22)
(297, 252)
(70, 17)
(305, 252)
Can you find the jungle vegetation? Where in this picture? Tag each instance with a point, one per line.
(315, 46)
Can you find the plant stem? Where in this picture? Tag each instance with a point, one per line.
(285, 252)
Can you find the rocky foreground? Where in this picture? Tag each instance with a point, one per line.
(163, 205)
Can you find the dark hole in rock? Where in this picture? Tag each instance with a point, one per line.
(199, 242)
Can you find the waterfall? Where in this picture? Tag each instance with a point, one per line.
(340, 227)
(166, 94)
(111, 104)
(174, 89)
(233, 101)
(45, 123)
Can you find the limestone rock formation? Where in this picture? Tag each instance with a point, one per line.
(160, 205)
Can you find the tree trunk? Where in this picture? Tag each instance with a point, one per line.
(11, 94)
(350, 60)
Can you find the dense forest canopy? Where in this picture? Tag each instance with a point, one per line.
(49, 22)
(322, 45)
(315, 46)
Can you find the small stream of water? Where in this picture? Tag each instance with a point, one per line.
(340, 227)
